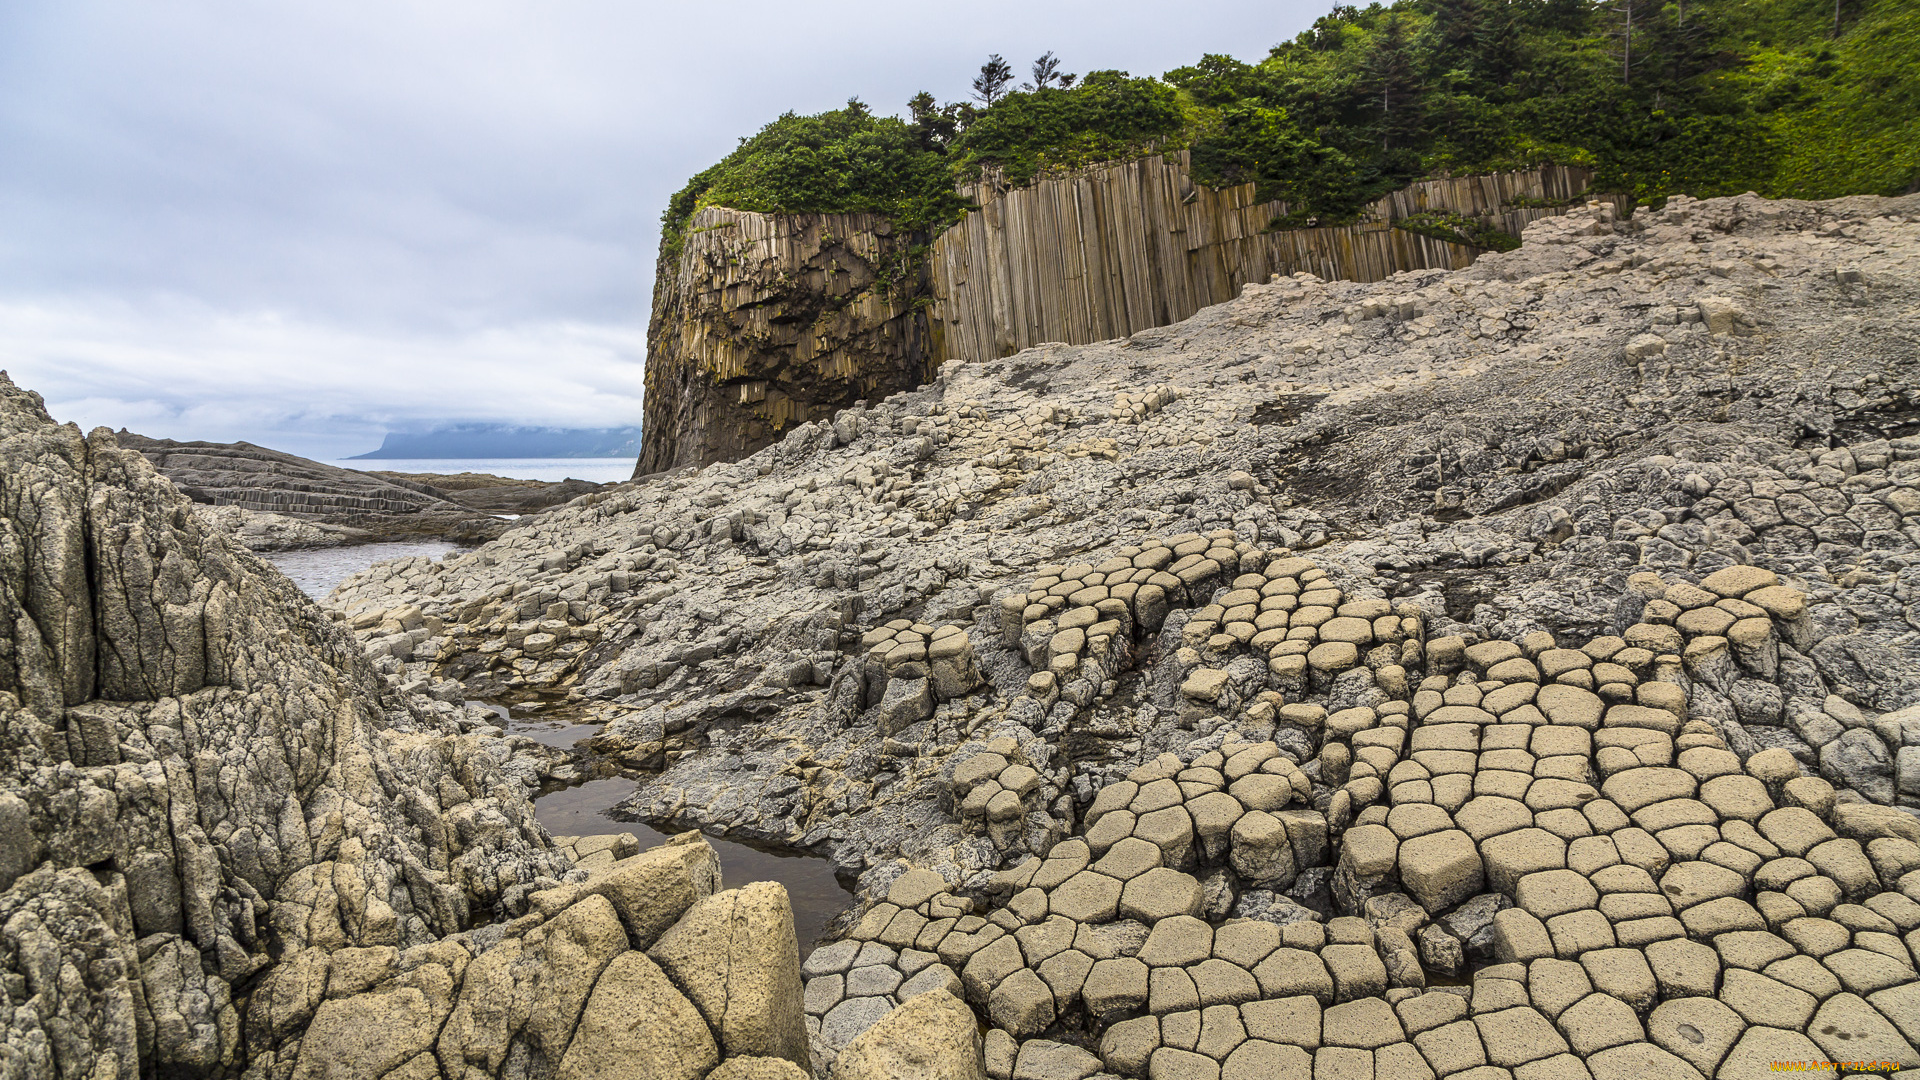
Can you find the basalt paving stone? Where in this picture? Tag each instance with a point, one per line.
(1668, 904)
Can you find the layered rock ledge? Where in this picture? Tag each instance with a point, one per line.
(273, 500)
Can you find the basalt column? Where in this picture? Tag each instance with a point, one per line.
(762, 322)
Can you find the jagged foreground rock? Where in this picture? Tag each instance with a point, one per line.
(1596, 690)
(229, 848)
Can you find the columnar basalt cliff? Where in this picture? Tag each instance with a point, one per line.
(763, 322)
(1111, 251)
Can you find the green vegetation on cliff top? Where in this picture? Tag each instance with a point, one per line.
(1703, 97)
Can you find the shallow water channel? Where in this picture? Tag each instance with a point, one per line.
(319, 570)
(816, 894)
(581, 810)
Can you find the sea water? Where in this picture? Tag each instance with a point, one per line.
(595, 470)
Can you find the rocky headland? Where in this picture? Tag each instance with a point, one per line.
(1502, 672)
(496, 494)
(274, 500)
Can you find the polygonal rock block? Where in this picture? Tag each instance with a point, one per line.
(1760, 1047)
(1022, 1005)
(915, 887)
(1698, 1029)
(1518, 1035)
(934, 1036)
(1632, 789)
(1440, 869)
(1161, 894)
(635, 1020)
(736, 954)
(1511, 856)
(1519, 937)
(1357, 971)
(1369, 850)
(1204, 684)
(1738, 581)
(1115, 986)
(1291, 972)
(1170, 830)
(1261, 852)
(1086, 897)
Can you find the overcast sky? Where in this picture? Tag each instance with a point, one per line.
(303, 223)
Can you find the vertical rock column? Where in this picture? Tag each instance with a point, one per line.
(763, 322)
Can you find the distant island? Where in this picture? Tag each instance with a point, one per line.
(507, 441)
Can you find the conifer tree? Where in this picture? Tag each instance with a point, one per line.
(991, 84)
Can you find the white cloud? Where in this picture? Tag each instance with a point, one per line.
(180, 370)
(296, 221)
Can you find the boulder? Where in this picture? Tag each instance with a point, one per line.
(736, 956)
(931, 1037)
(637, 1024)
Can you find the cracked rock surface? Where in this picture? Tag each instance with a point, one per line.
(1458, 674)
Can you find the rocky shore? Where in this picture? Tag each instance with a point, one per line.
(1502, 673)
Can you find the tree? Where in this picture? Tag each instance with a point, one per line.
(991, 84)
(1683, 48)
(1631, 19)
(1325, 34)
(1388, 76)
(935, 124)
(1046, 72)
(1217, 80)
(1452, 33)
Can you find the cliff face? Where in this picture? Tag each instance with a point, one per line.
(767, 321)
(1115, 250)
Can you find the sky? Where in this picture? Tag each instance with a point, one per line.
(306, 224)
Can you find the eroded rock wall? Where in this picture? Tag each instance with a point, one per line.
(201, 776)
(768, 321)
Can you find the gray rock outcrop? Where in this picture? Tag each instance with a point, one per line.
(269, 486)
